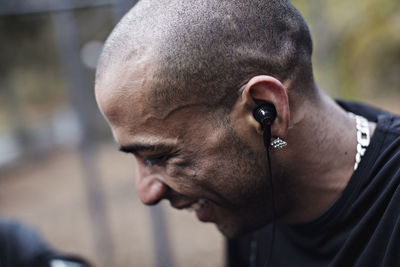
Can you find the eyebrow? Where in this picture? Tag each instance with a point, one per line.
(136, 148)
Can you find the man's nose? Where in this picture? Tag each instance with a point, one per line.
(150, 188)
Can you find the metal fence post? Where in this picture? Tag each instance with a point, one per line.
(80, 93)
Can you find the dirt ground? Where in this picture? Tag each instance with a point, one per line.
(49, 194)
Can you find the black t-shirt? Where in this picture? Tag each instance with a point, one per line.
(362, 227)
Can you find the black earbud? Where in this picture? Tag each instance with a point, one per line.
(265, 114)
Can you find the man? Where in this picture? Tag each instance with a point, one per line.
(178, 82)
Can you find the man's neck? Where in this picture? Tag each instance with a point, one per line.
(322, 156)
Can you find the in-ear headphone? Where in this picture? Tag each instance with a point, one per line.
(265, 114)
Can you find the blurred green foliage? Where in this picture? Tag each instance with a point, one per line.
(357, 46)
(32, 82)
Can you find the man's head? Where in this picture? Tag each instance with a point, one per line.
(178, 81)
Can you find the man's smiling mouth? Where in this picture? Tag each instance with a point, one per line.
(203, 210)
(201, 207)
(197, 206)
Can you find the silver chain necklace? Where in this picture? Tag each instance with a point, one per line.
(363, 137)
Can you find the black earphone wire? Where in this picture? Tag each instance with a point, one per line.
(273, 230)
(265, 114)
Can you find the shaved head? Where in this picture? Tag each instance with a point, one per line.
(178, 82)
(203, 51)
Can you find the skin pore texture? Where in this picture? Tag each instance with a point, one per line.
(180, 98)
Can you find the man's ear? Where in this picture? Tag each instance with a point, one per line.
(265, 89)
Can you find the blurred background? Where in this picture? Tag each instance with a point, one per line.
(60, 170)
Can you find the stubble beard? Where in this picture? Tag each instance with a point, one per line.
(254, 206)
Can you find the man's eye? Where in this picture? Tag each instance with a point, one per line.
(154, 161)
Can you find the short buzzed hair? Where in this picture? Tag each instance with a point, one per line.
(205, 50)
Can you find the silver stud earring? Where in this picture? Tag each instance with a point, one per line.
(278, 143)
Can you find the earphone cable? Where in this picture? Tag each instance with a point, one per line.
(272, 241)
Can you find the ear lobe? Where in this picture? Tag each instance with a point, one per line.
(267, 89)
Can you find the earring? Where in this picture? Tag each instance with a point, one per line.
(278, 143)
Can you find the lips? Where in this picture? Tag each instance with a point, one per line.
(189, 205)
(197, 205)
(202, 208)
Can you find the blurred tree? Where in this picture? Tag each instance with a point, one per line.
(357, 45)
(8, 56)
(29, 71)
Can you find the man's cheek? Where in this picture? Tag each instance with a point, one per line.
(182, 178)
